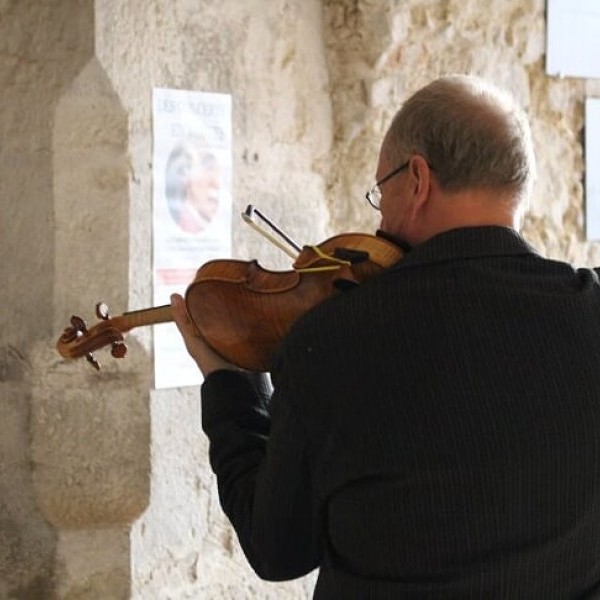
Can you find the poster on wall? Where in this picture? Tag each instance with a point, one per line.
(573, 38)
(192, 209)
(592, 175)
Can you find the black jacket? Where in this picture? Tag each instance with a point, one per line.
(433, 433)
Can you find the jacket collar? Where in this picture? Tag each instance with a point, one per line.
(467, 242)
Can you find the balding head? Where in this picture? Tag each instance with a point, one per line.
(471, 134)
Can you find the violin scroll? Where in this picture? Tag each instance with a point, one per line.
(77, 340)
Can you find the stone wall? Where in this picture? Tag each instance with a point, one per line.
(105, 488)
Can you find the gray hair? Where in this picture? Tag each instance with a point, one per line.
(471, 133)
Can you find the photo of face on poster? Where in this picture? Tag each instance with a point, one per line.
(192, 184)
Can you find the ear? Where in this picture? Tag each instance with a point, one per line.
(420, 182)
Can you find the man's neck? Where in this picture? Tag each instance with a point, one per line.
(472, 208)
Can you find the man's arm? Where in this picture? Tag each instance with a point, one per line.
(260, 457)
(263, 476)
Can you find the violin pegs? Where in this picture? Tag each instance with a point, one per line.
(90, 358)
(70, 334)
(78, 324)
(102, 311)
(119, 349)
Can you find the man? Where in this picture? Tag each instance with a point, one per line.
(434, 432)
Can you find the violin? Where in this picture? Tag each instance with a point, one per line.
(241, 309)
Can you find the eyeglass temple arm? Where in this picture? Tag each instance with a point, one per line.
(252, 215)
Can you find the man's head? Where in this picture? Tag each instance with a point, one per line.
(470, 160)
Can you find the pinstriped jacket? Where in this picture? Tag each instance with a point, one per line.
(433, 433)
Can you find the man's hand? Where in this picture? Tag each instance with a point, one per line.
(206, 358)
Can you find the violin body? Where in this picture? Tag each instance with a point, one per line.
(241, 309)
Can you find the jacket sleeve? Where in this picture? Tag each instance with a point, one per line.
(260, 455)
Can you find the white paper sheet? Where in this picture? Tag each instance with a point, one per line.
(592, 168)
(573, 38)
(191, 209)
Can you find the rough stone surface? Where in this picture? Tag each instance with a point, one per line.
(105, 488)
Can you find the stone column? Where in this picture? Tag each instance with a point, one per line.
(90, 430)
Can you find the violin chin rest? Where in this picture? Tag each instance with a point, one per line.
(343, 285)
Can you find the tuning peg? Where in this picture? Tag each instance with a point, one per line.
(70, 334)
(102, 311)
(119, 349)
(78, 324)
(90, 358)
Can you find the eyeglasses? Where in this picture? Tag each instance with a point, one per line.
(373, 196)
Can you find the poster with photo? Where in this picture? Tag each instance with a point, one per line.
(192, 209)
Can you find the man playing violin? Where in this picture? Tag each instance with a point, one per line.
(432, 432)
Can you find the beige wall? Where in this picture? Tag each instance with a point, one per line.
(105, 489)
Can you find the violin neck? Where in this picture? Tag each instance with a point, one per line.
(141, 318)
